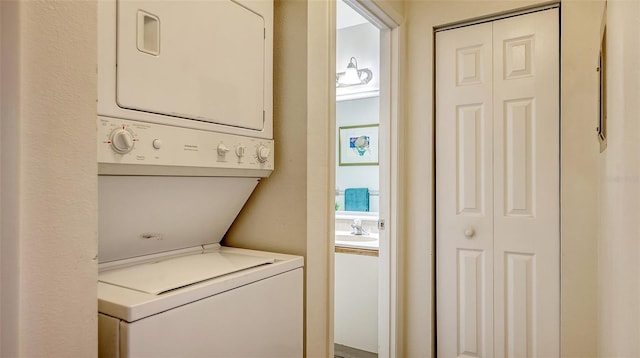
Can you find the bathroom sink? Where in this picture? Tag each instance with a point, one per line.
(348, 236)
(347, 239)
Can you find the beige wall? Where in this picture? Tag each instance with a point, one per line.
(580, 24)
(391, 6)
(619, 244)
(49, 183)
(9, 280)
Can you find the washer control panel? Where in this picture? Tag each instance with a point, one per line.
(123, 141)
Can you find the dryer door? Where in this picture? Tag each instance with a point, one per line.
(200, 60)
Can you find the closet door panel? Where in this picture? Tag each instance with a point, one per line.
(464, 192)
(526, 185)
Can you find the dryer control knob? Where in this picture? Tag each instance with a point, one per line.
(222, 149)
(122, 141)
(240, 151)
(263, 153)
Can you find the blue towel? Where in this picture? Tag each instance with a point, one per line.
(356, 199)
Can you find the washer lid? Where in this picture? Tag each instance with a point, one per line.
(144, 215)
(162, 276)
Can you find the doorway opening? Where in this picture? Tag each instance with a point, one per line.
(364, 291)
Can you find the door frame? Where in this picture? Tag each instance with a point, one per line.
(388, 21)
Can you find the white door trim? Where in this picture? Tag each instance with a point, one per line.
(498, 16)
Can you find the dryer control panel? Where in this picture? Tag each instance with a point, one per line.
(128, 147)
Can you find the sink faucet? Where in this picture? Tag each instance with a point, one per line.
(357, 228)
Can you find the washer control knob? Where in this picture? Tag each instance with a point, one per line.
(122, 141)
(222, 149)
(157, 143)
(263, 153)
(240, 151)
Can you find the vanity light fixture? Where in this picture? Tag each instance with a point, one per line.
(353, 76)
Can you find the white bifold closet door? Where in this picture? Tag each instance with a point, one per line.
(497, 188)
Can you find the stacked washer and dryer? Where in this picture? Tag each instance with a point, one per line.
(185, 134)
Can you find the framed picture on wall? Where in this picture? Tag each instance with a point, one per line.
(358, 145)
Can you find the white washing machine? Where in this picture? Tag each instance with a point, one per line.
(184, 136)
(167, 288)
(252, 309)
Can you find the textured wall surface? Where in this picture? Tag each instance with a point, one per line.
(619, 244)
(580, 44)
(54, 200)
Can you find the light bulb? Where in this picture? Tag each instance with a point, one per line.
(350, 77)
